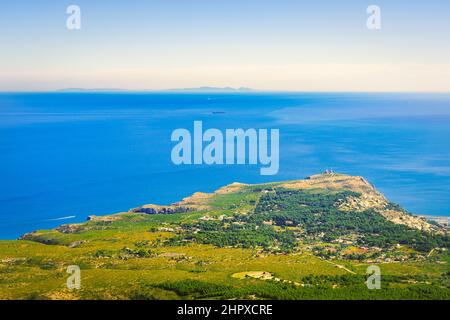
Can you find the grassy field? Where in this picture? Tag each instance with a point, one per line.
(134, 256)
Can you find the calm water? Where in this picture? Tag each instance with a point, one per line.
(64, 156)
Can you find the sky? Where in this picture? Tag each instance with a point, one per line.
(290, 45)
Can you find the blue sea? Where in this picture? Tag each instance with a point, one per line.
(64, 156)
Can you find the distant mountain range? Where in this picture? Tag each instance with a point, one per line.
(213, 89)
(193, 90)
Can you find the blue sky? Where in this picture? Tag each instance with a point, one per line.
(270, 45)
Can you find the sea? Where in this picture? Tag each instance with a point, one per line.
(67, 155)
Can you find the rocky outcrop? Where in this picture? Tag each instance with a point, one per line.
(69, 228)
(233, 187)
(155, 209)
(196, 202)
(369, 198)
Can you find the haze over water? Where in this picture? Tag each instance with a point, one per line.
(64, 156)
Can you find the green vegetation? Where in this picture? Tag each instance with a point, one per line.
(305, 243)
(315, 215)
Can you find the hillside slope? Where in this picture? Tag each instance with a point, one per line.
(303, 239)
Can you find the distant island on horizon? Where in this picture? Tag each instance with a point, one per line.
(206, 89)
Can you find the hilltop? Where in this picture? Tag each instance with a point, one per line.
(301, 239)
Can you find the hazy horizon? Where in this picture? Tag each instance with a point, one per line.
(211, 89)
(284, 46)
